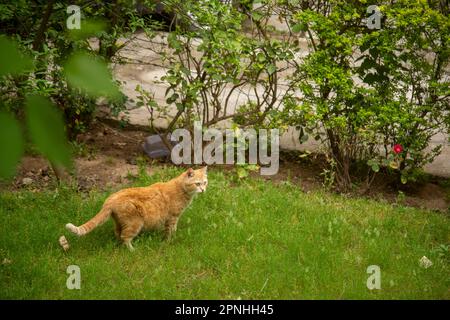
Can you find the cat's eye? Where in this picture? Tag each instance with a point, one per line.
(198, 184)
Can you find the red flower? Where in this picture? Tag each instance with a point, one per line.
(397, 148)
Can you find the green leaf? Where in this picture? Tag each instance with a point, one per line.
(371, 78)
(374, 52)
(374, 165)
(241, 172)
(261, 57)
(299, 27)
(368, 63)
(12, 144)
(404, 179)
(89, 28)
(173, 41)
(12, 60)
(271, 68)
(252, 167)
(256, 15)
(46, 129)
(90, 75)
(364, 46)
(186, 71)
(172, 98)
(152, 104)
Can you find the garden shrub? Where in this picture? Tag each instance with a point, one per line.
(40, 29)
(211, 59)
(364, 91)
(407, 62)
(51, 77)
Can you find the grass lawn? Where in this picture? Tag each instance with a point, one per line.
(251, 240)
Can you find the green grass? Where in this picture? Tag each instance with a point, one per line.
(252, 240)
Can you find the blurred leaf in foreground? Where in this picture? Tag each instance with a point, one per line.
(89, 28)
(46, 129)
(12, 61)
(91, 75)
(11, 143)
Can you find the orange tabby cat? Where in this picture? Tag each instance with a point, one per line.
(137, 209)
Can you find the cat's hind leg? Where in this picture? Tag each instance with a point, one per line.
(118, 230)
(130, 230)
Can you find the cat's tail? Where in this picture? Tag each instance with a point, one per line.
(100, 218)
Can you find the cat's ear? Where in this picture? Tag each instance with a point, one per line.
(190, 173)
(204, 169)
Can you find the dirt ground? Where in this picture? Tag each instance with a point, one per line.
(105, 157)
(108, 156)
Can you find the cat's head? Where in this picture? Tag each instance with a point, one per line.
(195, 181)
